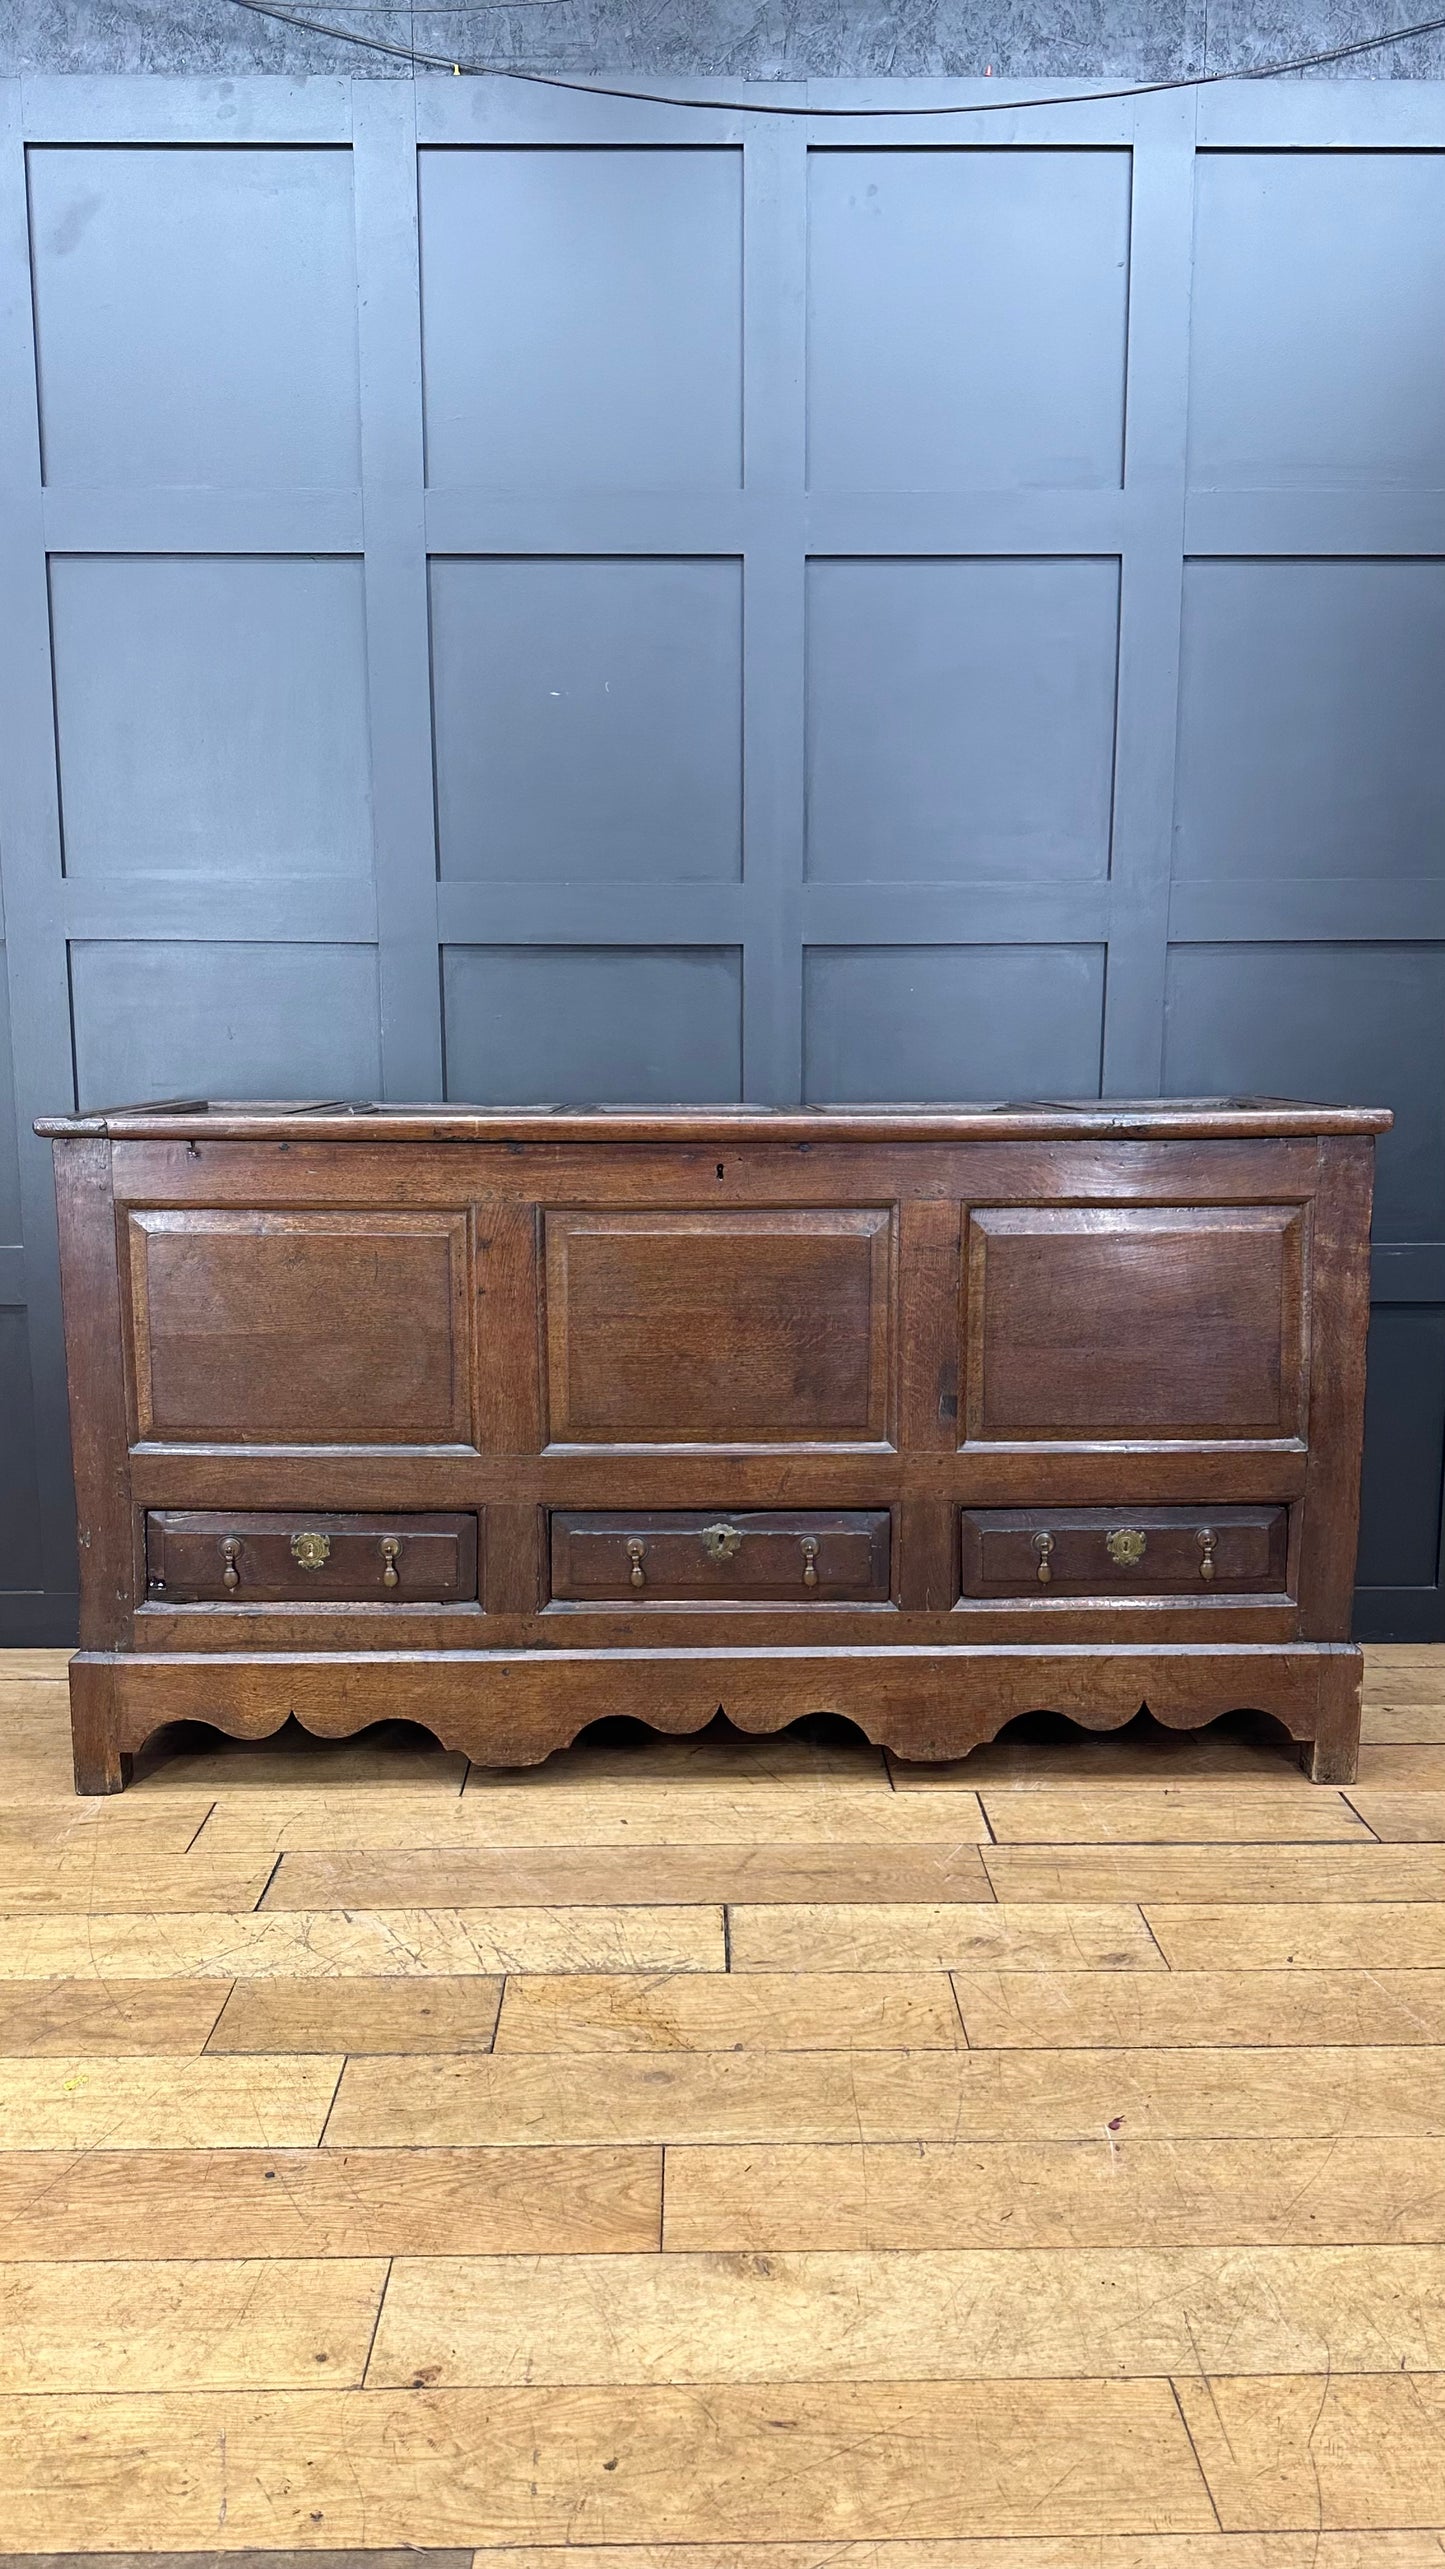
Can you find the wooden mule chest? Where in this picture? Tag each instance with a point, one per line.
(502, 1421)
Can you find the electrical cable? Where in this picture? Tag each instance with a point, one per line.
(759, 107)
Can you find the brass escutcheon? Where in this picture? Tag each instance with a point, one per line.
(1125, 1546)
(308, 1551)
(720, 1542)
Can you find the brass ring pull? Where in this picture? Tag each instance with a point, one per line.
(634, 1555)
(810, 1560)
(1043, 1546)
(391, 1546)
(230, 1576)
(1206, 1549)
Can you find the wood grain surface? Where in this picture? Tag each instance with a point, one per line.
(707, 2155)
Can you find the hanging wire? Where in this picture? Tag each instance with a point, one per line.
(420, 61)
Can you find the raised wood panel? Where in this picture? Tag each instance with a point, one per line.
(1093, 1323)
(719, 1328)
(306, 1328)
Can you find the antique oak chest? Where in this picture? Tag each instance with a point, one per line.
(502, 1421)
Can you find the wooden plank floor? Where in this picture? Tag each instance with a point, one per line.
(725, 2154)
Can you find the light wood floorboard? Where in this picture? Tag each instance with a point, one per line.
(1361, 2451)
(1323, 1935)
(811, 2462)
(359, 2016)
(1365, 2092)
(592, 1877)
(1203, 1875)
(246, 1826)
(884, 1938)
(66, 2017)
(910, 2316)
(732, 2012)
(1107, 2190)
(308, 2202)
(1004, 2551)
(303, 1944)
(725, 2154)
(1191, 1815)
(96, 2101)
(273, 2325)
(1153, 2009)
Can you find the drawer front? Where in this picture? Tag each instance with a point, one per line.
(198, 1556)
(790, 1557)
(1138, 1552)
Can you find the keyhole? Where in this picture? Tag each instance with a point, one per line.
(719, 1168)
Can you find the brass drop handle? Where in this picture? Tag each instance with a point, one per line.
(634, 1555)
(391, 1546)
(1206, 1552)
(1043, 1546)
(810, 1560)
(230, 1576)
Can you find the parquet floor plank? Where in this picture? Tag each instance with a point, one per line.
(309, 2202)
(1365, 2093)
(1162, 2009)
(1192, 1815)
(802, 2463)
(601, 1877)
(909, 2316)
(1401, 1817)
(329, 1819)
(93, 2102)
(1411, 1768)
(1320, 1935)
(1204, 1875)
(92, 1877)
(112, 1826)
(1342, 2450)
(358, 2016)
(1104, 2191)
(732, 2012)
(883, 1938)
(111, 2017)
(1004, 2551)
(144, 2325)
(1402, 1724)
(299, 1944)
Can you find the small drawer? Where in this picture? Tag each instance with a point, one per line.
(784, 1557)
(1132, 1552)
(200, 1556)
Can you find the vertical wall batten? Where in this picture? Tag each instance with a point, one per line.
(35, 946)
(394, 533)
(775, 246)
(1161, 246)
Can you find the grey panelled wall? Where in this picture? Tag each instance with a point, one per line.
(508, 594)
